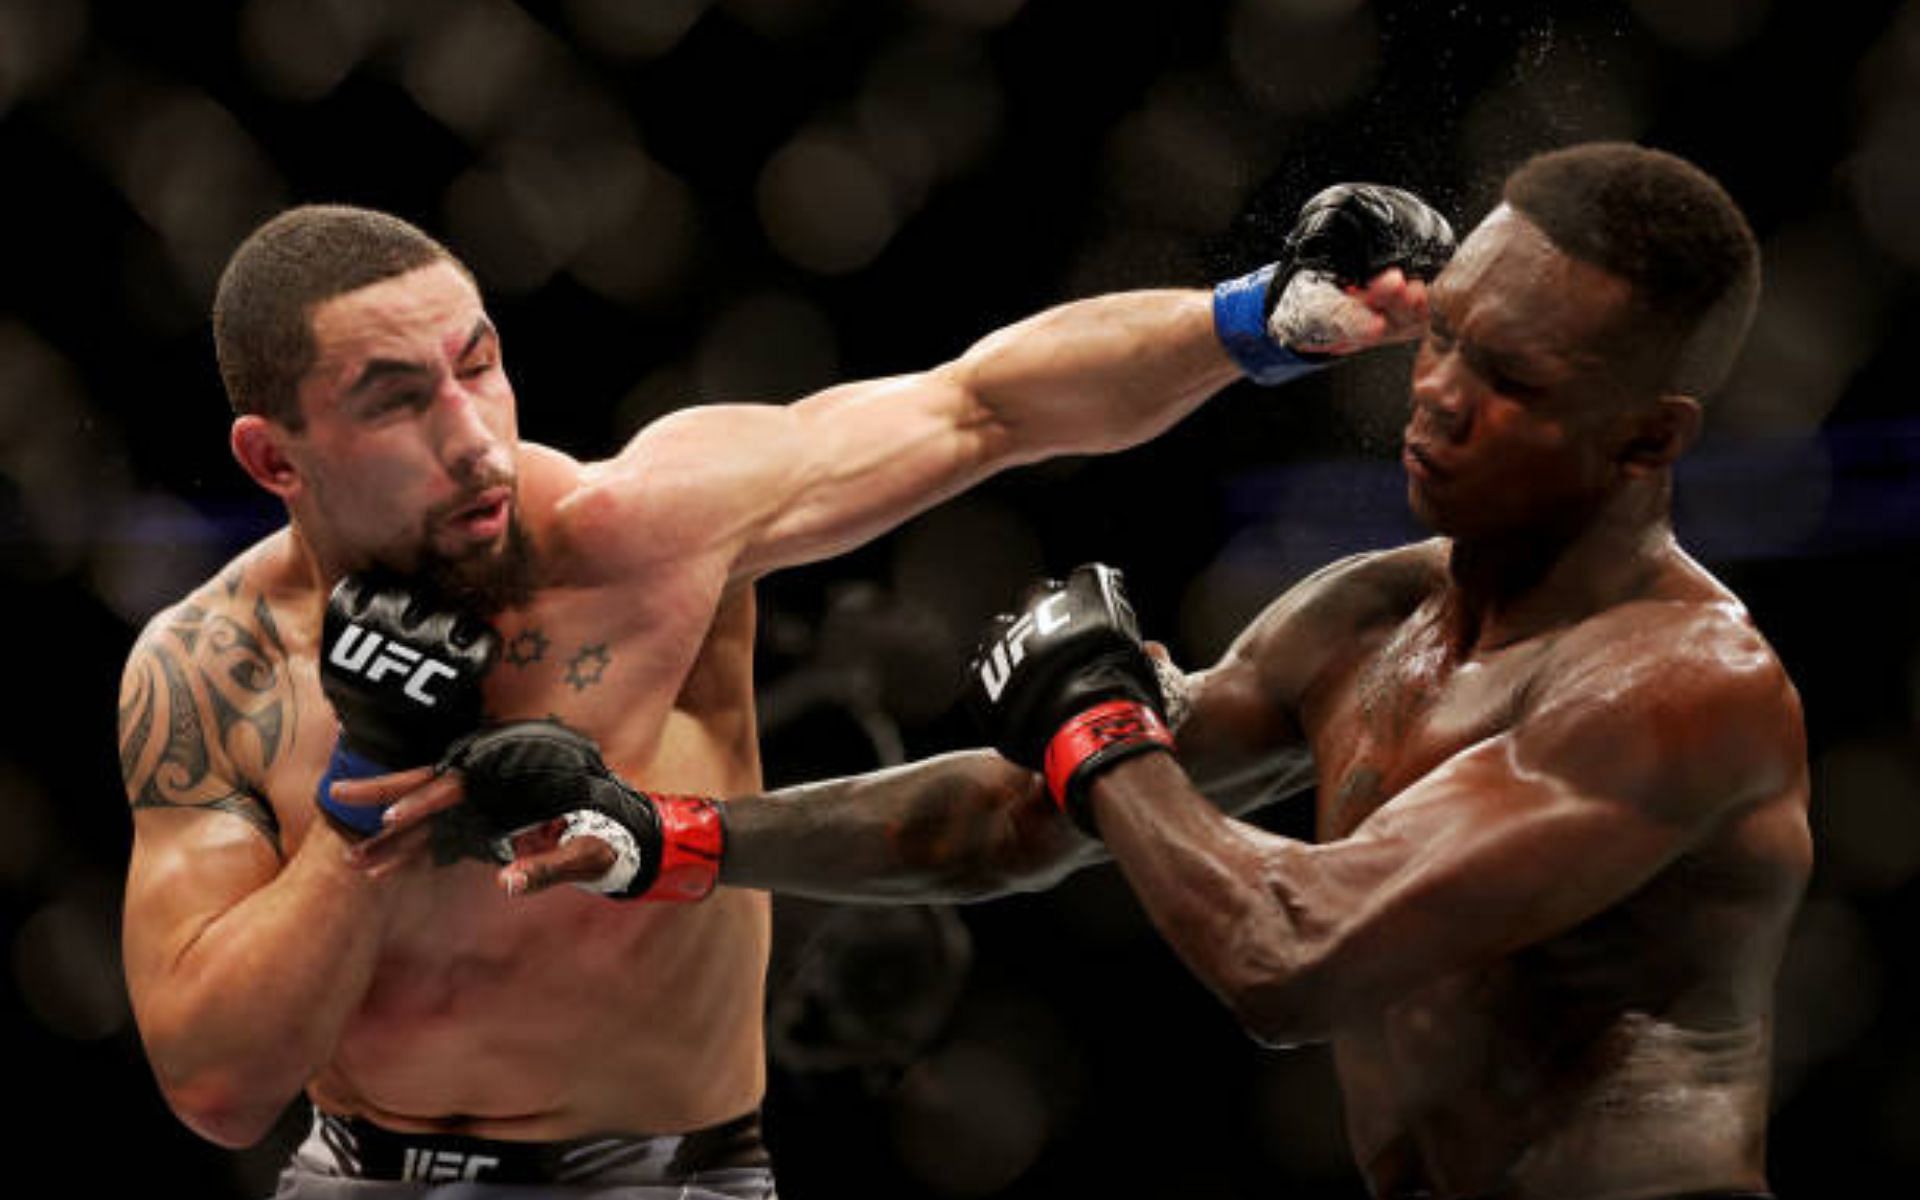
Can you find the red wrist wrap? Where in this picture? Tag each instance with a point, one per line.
(1104, 733)
(693, 836)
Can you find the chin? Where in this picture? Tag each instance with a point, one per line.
(487, 577)
(1425, 511)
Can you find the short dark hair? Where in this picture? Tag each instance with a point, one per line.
(1668, 229)
(262, 331)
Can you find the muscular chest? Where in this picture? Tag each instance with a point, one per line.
(608, 669)
(1406, 707)
(661, 683)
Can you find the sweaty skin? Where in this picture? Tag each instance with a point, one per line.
(261, 962)
(498, 1017)
(1561, 789)
(1552, 881)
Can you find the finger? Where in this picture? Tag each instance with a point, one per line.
(380, 789)
(389, 850)
(580, 860)
(419, 806)
(537, 839)
(1385, 289)
(1402, 303)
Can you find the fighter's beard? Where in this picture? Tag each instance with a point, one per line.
(486, 581)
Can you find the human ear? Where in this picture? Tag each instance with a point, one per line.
(258, 446)
(1662, 433)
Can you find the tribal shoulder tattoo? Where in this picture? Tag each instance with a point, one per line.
(206, 708)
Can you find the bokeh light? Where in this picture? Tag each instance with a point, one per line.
(687, 201)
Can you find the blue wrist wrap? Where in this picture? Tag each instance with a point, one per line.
(345, 764)
(1240, 322)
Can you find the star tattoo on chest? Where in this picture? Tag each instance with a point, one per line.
(585, 668)
(526, 647)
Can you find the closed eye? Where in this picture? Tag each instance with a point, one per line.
(395, 401)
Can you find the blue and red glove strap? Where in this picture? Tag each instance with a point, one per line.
(1093, 741)
(1240, 322)
(693, 836)
(363, 819)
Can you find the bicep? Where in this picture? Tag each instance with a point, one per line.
(1244, 740)
(1240, 742)
(201, 842)
(766, 486)
(1488, 853)
(1633, 763)
(861, 458)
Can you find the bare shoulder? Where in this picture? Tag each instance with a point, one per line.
(1257, 698)
(1323, 615)
(678, 487)
(234, 599)
(207, 702)
(1678, 699)
(1700, 646)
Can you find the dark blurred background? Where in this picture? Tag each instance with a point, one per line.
(673, 201)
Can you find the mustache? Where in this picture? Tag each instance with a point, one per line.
(478, 485)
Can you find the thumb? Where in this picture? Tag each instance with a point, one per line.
(583, 859)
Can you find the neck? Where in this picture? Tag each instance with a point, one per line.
(1515, 585)
(317, 567)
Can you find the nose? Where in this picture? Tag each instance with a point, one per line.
(467, 441)
(1442, 398)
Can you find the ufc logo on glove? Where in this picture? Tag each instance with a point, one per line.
(1049, 615)
(373, 657)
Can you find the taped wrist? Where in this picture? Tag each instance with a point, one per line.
(519, 775)
(693, 838)
(1240, 322)
(686, 863)
(354, 820)
(1093, 741)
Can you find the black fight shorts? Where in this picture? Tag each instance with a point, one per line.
(345, 1158)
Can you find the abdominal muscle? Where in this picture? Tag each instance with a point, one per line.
(564, 1013)
(556, 1015)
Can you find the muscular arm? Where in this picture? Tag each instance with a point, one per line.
(771, 486)
(242, 967)
(958, 827)
(974, 826)
(1515, 839)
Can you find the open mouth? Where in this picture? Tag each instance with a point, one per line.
(1419, 462)
(486, 515)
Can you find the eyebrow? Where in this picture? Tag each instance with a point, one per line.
(1525, 362)
(379, 369)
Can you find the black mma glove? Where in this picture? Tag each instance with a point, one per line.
(402, 671)
(1066, 688)
(1344, 236)
(523, 774)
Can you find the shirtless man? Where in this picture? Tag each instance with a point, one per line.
(441, 1030)
(1561, 778)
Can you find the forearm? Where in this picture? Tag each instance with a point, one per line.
(254, 1003)
(959, 827)
(1218, 891)
(1098, 374)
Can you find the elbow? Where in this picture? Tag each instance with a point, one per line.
(1281, 994)
(220, 1111)
(1280, 1017)
(226, 1104)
